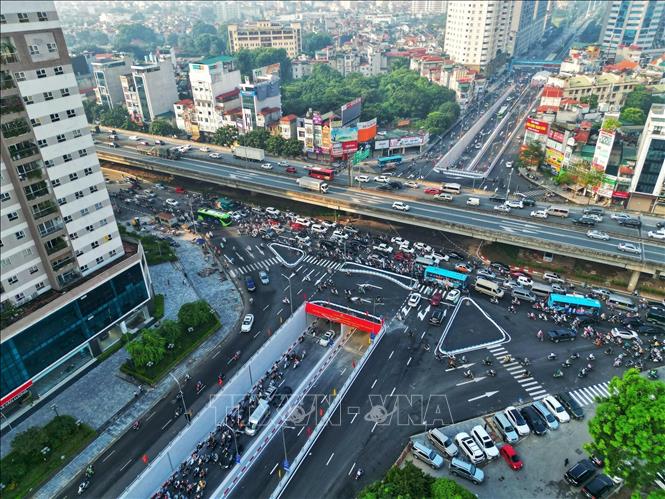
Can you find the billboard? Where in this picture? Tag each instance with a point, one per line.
(601, 155)
(381, 144)
(351, 146)
(366, 130)
(416, 140)
(554, 158)
(325, 137)
(344, 134)
(367, 325)
(351, 111)
(556, 136)
(537, 126)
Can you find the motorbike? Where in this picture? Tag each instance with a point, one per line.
(359, 473)
(574, 356)
(83, 486)
(552, 356)
(136, 425)
(591, 357)
(652, 374)
(89, 471)
(198, 387)
(468, 374)
(582, 373)
(557, 374)
(608, 351)
(487, 362)
(490, 372)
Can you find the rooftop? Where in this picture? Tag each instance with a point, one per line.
(214, 60)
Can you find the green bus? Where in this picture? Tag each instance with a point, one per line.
(223, 218)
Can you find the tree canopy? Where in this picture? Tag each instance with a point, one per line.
(163, 128)
(247, 60)
(632, 116)
(628, 429)
(641, 98)
(311, 42)
(225, 136)
(532, 156)
(136, 38)
(204, 40)
(388, 97)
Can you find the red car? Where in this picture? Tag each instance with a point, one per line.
(291, 169)
(433, 190)
(436, 298)
(464, 268)
(510, 456)
(295, 226)
(401, 256)
(515, 272)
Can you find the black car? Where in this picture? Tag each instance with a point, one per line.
(281, 396)
(249, 283)
(598, 487)
(588, 321)
(436, 317)
(571, 405)
(534, 421)
(631, 222)
(497, 199)
(650, 329)
(528, 202)
(632, 322)
(395, 184)
(456, 256)
(580, 472)
(557, 335)
(589, 222)
(660, 225)
(500, 267)
(384, 187)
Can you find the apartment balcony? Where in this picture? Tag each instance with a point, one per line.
(9, 57)
(68, 277)
(61, 263)
(6, 81)
(18, 151)
(43, 209)
(53, 229)
(54, 245)
(10, 105)
(15, 128)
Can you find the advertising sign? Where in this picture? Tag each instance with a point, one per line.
(351, 146)
(537, 126)
(554, 158)
(366, 130)
(16, 392)
(344, 134)
(365, 325)
(556, 136)
(336, 149)
(381, 144)
(406, 142)
(601, 156)
(351, 111)
(325, 137)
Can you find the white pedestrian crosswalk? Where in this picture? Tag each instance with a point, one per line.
(586, 396)
(530, 385)
(534, 192)
(264, 264)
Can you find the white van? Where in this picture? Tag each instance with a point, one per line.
(524, 294)
(558, 211)
(451, 188)
(621, 302)
(489, 288)
(540, 289)
(260, 414)
(473, 201)
(443, 196)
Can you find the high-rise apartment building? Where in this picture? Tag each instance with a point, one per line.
(649, 177)
(634, 22)
(420, 8)
(528, 25)
(149, 90)
(266, 34)
(107, 72)
(477, 31)
(66, 277)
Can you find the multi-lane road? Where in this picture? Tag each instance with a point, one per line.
(479, 223)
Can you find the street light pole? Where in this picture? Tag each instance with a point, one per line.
(235, 441)
(286, 458)
(182, 396)
(55, 409)
(288, 278)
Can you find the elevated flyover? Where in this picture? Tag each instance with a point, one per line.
(534, 234)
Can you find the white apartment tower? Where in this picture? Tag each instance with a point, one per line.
(477, 30)
(649, 177)
(106, 73)
(634, 22)
(420, 8)
(57, 220)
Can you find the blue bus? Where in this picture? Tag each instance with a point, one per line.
(389, 160)
(574, 304)
(444, 277)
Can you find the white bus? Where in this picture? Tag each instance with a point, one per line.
(451, 188)
(260, 414)
(558, 211)
(621, 302)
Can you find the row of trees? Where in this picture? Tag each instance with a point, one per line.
(117, 117)
(203, 40)
(152, 344)
(275, 145)
(388, 97)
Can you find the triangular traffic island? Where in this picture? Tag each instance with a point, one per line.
(470, 328)
(287, 255)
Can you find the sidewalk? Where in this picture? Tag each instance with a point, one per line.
(112, 410)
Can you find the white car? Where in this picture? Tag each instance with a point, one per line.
(517, 421)
(398, 205)
(327, 338)
(624, 334)
(425, 248)
(412, 184)
(171, 202)
(552, 277)
(597, 234)
(272, 211)
(383, 248)
(594, 216)
(319, 229)
(657, 234)
(524, 281)
(266, 166)
(438, 257)
(204, 149)
(539, 213)
(283, 163)
(485, 442)
(133, 137)
(215, 155)
(469, 447)
(629, 248)
(502, 207)
(328, 224)
(509, 164)
(453, 296)
(556, 408)
(339, 234)
(399, 241)
(382, 179)
(515, 203)
(303, 221)
(619, 216)
(185, 148)
(414, 299)
(406, 249)
(247, 323)
(362, 178)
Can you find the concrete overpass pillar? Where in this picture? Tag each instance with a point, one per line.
(634, 279)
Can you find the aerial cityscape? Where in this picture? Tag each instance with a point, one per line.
(366, 249)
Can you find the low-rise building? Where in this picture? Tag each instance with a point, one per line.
(288, 126)
(149, 90)
(266, 34)
(107, 73)
(261, 102)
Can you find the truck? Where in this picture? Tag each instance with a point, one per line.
(248, 153)
(160, 152)
(313, 184)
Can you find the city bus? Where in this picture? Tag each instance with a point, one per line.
(502, 111)
(444, 277)
(206, 213)
(574, 304)
(389, 160)
(321, 173)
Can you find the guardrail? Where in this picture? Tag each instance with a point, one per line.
(533, 243)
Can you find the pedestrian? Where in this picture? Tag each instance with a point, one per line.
(565, 463)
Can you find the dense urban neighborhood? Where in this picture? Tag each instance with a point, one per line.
(372, 248)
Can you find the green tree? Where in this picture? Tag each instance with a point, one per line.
(532, 156)
(592, 100)
(59, 429)
(225, 136)
(29, 444)
(292, 148)
(564, 178)
(406, 482)
(445, 488)
(311, 42)
(195, 314)
(275, 145)
(585, 175)
(248, 60)
(201, 28)
(115, 117)
(610, 124)
(642, 98)
(163, 128)
(136, 38)
(92, 110)
(256, 138)
(137, 352)
(629, 429)
(155, 345)
(170, 331)
(632, 116)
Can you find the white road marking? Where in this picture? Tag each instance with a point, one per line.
(280, 311)
(126, 464)
(301, 430)
(373, 384)
(287, 287)
(167, 423)
(409, 361)
(266, 307)
(391, 355)
(150, 416)
(351, 470)
(216, 353)
(299, 291)
(330, 459)
(474, 380)
(108, 455)
(423, 335)
(257, 334)
(274, 468)
(343, 371)
(393, 392)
